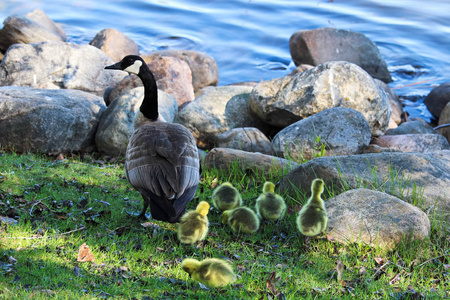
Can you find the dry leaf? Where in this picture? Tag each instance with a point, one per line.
(395, 279)
(85, 254)
(214, 183)
(362, 271)
(380, 260)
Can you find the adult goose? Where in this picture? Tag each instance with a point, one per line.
(162, 158)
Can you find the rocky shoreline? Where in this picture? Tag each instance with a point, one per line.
(335, 111)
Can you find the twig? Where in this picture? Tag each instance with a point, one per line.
(379, 270)
(41, 237)
(441, 126)
(432, 259)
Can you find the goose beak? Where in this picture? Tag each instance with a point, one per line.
(115, 66)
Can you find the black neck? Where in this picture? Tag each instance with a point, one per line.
(149, 106)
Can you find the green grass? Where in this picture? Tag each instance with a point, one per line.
(61, 204)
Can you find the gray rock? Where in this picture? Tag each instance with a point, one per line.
(394, 101)
(322, 45)
(374, 218)
(248, 139)
(342, 130)
(204, 68)
(34, 27)
(425, 142)
(218, 110)
(57, 65)
(406, 175)
(437, 99)
(444, 118)
(115, 44)
(411, 127)
(9, 221)
(48, 120)
(227, 159)
(283, 101)
(116, 124)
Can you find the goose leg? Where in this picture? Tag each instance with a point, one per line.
(146, 204)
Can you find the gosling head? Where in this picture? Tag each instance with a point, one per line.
(225, 217)
(189, 265)
(130, 63)
(317, 187)
(269, 187)
(203, 208)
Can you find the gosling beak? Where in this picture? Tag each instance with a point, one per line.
(115, 66)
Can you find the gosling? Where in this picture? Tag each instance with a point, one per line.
(226, 197)
(241, 220)
(312, 218)
(193, 225)
(269, 205)
(212, 272)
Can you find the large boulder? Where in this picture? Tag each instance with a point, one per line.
(437, 99)
(34, 27)
(114, 43)
(203, 66)
(424, 177)
(374, 218)
(286, 100)
(116, 124)
(218, 110)
(322, 45)
(57, 65)
(341, 130)
(48, 120)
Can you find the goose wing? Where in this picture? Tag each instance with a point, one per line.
(162, 158)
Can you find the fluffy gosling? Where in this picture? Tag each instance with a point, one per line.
(193, 225)
(212, 272)
(226, 197)
(269, 205)
(241, 220)
(312, 218)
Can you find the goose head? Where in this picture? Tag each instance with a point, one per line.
(130, 63)
(134, 64)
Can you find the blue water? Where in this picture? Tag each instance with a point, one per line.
(250, 39)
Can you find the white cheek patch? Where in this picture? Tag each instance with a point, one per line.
(135, 67)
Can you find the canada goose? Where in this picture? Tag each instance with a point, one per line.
(241, 220)
(269, 205)
(162, 158)
(226, 197)
(193, 225)
(312, 218)
(212, 272)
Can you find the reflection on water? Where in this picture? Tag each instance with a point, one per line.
(250, 39)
